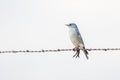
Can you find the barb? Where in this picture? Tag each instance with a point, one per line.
(58, 50)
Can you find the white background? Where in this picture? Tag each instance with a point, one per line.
(40, 24)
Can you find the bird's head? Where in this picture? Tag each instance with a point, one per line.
(71, 25)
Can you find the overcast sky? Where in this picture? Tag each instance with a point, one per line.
(40, 24)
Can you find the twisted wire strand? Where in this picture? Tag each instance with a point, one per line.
(58, 50)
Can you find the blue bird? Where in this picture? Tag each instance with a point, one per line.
(76, 39)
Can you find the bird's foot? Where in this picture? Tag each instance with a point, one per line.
(75, 49)
(76, 55)
(77, 52)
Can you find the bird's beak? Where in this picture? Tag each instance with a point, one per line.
(67, 24)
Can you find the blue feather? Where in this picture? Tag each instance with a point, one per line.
(77, 31)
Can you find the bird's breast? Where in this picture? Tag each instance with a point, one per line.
(73, 37)
(72, 33)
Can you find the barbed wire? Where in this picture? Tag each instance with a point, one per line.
(58, 50)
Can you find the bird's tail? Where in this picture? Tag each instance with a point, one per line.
(86, 53)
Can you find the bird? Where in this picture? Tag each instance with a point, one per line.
(76, 39)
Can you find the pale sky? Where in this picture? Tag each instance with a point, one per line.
(40, 24)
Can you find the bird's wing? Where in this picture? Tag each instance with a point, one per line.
(80, 39)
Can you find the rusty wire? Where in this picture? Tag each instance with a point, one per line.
(58, 50)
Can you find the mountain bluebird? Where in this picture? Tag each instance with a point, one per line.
(76, 39)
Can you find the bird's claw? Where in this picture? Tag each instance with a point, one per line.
(75, 49)
(77, 52)
(76, 55)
